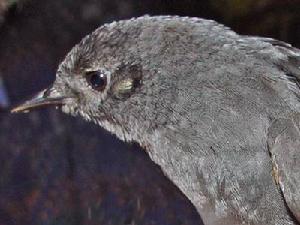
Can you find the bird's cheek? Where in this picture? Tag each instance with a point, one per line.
(71, 106)
(69, 110)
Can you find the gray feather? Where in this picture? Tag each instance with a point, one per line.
(215, 110)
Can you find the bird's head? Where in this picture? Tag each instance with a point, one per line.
(103, 80)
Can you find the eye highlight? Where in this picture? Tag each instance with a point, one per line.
(97, 80)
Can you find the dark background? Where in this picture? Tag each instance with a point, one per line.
(59, 170)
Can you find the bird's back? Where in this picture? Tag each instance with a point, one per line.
(230, 136)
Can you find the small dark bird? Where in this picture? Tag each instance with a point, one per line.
(219, 112)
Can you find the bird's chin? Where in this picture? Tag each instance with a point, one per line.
(101, 119)
(70, 109)
(74, 110)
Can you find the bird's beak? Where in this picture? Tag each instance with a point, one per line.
(46, 97)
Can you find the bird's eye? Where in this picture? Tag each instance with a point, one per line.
(97, 80)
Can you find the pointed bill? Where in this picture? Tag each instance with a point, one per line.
(45, 97)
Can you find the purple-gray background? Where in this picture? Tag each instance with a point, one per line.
(59, 170)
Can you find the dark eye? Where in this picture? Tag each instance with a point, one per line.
(97, 80)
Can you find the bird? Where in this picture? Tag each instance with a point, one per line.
(219, 112)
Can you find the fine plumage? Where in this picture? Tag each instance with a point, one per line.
(219, 112)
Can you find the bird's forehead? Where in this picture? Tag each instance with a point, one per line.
(89, 55)
(77, 60)
(107, 47)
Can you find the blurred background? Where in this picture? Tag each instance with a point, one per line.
(59, 170)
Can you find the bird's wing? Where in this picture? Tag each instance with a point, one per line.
(284, 134)
(284, 147)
